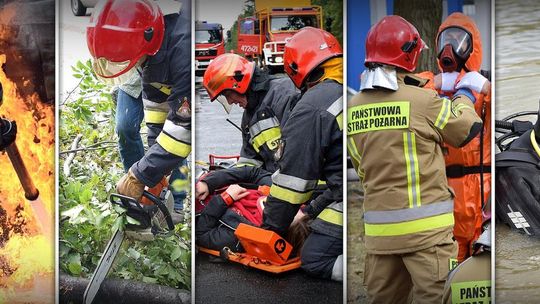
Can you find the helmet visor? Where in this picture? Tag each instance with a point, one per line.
(223, 101)
(109, 69)
(458, 38)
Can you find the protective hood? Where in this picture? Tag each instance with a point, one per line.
(382, 76)
(333, 69)
(465, 22)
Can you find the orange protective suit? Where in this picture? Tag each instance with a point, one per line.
(467, 189)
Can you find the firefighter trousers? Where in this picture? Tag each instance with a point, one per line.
(322, 256)
(391, 278)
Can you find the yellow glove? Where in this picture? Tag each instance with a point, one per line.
(130, 186)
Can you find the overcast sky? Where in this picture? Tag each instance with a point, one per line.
(222, 11)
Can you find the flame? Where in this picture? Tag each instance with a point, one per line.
(27, 257)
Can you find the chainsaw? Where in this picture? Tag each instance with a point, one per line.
(153, 220)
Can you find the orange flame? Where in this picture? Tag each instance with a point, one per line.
(27, 257)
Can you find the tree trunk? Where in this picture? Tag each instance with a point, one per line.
(120, 292)
(426, 16)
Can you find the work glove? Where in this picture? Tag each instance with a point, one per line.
(8, 133)
(474, 81)
(448, 81)
(130, 185)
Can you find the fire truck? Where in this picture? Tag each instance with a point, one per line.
(208, 44)
(262, 37)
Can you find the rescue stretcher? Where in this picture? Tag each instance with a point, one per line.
(264, 249)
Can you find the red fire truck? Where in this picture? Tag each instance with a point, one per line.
(208, 44)
(262, 37)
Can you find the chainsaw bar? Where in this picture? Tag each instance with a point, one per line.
(103, 266)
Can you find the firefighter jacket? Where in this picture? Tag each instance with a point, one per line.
(310, 150)
(270, 100)
(166, 79)
(394, 139)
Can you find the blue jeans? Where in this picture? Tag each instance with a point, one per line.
(129, 116)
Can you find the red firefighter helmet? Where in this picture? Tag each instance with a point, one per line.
(306, 50)
(121, 32)
(394, 41)
(228, 72)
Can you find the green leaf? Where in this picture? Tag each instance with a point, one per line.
(149, 280)
(74, 263)
(133, 253)
(72, 212)
(132, 221)
(176, 254)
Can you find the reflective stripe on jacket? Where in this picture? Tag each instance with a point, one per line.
(395, 141)
(166, 79)
(310, 150)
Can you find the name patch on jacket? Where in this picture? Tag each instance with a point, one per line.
(378, 116)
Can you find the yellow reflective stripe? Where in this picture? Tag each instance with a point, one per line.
(268, 137)
(290, 196)
(413, 173)
(173, 146)
(244, 161)
(339, 119)
(321, 182)
(444, 114)
(410, 227)
(331, 216)
(155, 117)
(244, 165)
(378, 116)
(534, 143)
(163, 88)
(353, 153)
(416, 172)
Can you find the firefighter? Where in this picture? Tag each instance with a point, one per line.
(310, 149)
(395, 132)
(470, 281)
(267, 101)
(459, 47)
(128, 36)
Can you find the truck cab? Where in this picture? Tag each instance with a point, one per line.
(262, 37)
(208, 44)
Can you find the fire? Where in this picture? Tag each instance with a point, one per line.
(27, 256)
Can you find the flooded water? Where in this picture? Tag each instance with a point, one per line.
(517, 89)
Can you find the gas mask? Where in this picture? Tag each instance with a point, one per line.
(454, 48)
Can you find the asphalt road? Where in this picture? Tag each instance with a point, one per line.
(235, 283)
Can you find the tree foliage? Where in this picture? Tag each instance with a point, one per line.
(332, 16)
(426, 16)
(87, 217)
